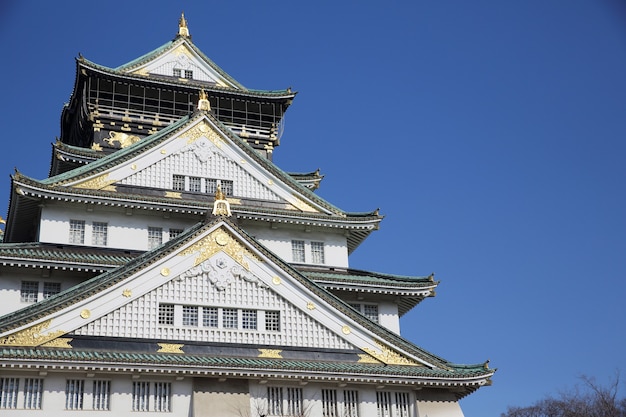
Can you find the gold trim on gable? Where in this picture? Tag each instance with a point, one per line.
(270, 353)
(389, 356)
(32, 336)
(220, 240)
(203, 130)
(61, 342)
(96, 183)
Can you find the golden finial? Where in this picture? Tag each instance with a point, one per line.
(2, 221)
(221, 206)
(183, 30)
(219, 195)
(203, 101)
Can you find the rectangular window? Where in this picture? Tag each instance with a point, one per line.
(211, 186)
(248, 319)
(33, 391)
(227, 187)
(77, 232)
(329, 403)
(402, 404)
(383, 404)
(166, 314)
(209, 317)
(317, 252)
(178, 183)
(155, 237)
(230, 317)
(275, 401)
(371, 312)
(99, 233)
(350, 403)
(297, 250)
(141, 395)
(162, 396)
(74, 393)
(29, 291)
(50, 289)
(294, 402)
(9, 387)
(195, 184)
(174, 233)
(188, 74)
(272, 321)
(190, 316)
(177, 72)
(101, 395)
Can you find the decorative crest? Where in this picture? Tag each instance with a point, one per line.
(203, 101)
(183, 30)
(221, 206)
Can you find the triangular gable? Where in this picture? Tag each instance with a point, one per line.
(199, 148)
(216, 260)
(176, 57)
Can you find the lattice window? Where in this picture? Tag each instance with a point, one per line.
(29, 291)
(162, 396)
(74, 393)
(101, 395)
(190, 316)
(188, 74)
(141, 396)
(178, 182)
(33, 391)
(350, 403)
(275, 401)
(177, 72)
(248, 319)
(99, 233)
(50, 289)
(383, 403)
(211, 185)
(272, 321)
(77, 232)
(317, 252)
(297, 250)
(230, 318)
(371, 311)
(227, 187)
(9, 387)
(329, 403)
(195, 184)
(210, 317)
(174, 233)
(155, 237)
(401, 408)
(166, 314)
(294, 402)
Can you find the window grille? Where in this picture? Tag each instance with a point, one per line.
(190, 316)
(227, 187)
(9, 387)
(275, 401)
(33, 391)
(371, 312)
(383, 403)
(162, 395)
(50, 289)
(402, 404)
(177, 72)
(74, 393)
(211, 186)
(174, 233)
(294, 402)
(141, 395)
(230, 318)
(297, 250)
(99, 233)
(77, 232)
(248, 319)
(166, 314)
(101, 395)
(209, 317)
(195, 184)
(188, 74)
(317, 252)
(351, 403)
(29, 291)
(178, 183)
(272, 321)
(155, 237)
(329, 403)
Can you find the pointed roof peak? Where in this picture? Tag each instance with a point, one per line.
(183, 30)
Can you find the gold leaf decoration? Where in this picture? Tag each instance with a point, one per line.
(216, 241)
(61, 342)
(203, 130)
(270, 353)
(173, 194)
(32, 336)
(170, 348)
(389, 356)
(96, 183)
(365, 358)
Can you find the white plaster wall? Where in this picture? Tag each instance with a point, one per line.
(388, 316)
(125, 231)
(279, 242)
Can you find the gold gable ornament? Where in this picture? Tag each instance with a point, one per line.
(221, 206)
(183, 30)
(203, 101)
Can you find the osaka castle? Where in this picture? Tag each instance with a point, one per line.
(168, 265)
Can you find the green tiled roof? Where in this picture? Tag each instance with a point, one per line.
(68, 254)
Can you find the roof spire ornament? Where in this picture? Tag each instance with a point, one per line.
(221, 206)
(203, 101)
(183, 30)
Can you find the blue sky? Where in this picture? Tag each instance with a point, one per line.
(490, 134)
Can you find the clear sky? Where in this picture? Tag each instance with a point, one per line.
(491, 134)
